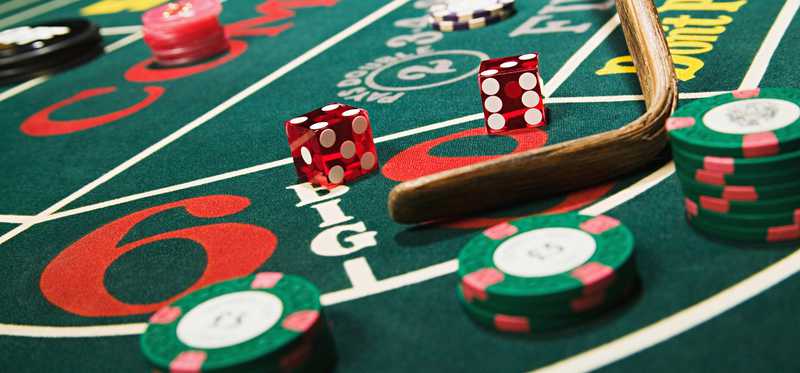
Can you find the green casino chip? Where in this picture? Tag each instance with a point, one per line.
(745, 234)
(256, 323)
(771, 205)
(585, 304)
(544, 258)
(514, 323)
(751, 220)
(704, 176)
(781, 163)
(741, 192)
(521, 323)
(744, 124)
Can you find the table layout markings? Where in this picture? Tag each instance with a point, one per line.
(580, 55)
(22, 87)
(34, 12)
(774, 36)
(230, 102)
(338, 296)
(639, 340)
(681, 321)
(119, 30)
(17, 219)
(72, 331)
(287, 161)
(564, 72)
(15, 4)
(128, 40)
(717, 304)
(359, 272)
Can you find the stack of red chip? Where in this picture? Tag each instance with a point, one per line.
(184, 31)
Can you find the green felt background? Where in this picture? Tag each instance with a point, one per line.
(419, 327)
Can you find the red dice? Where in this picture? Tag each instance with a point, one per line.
(332, 145)
(511, 92)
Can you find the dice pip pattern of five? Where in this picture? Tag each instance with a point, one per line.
(332, 145)
(511, 92)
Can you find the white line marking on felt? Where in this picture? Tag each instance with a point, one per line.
(328, 299)
(359, 272)
(384, 285)
(72, 331)
(15, 4)
(764, 55)
(580, 55)
(225, 105)
(17, 219)
(635, 189)
(681, 321)
(391, 283)
(592, 359)
(169, 189)
(128, 40)
(15, 90)
(288, 161)
(119, 30)
(339, 296)
(34, 12)
(624, 98)
(723, 301)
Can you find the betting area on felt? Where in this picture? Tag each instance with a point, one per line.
(220, 160)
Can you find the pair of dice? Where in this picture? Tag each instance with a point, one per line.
(332, 145)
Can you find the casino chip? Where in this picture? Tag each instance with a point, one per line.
(185, 32)
(469, 14)
(465, 10)
(753, 192)
(267, 322)
(785, 162)
(737, 157)
(46, 48)
(705, 176)
(743, 124)
(546, 271)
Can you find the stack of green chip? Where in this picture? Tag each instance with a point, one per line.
(267, 322)
(546, 272)
(737, 156)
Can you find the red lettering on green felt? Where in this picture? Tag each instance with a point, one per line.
(74, 280)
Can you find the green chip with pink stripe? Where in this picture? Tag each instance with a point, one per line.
(260, 322)
(743, 124)
(546, 258)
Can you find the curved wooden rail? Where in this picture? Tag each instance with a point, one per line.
(565, 166)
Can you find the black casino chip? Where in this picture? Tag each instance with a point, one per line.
(46, 48)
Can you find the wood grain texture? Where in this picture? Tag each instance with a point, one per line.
(562, 167)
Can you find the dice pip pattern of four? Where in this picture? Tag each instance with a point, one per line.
(332, 145)
(511, 92)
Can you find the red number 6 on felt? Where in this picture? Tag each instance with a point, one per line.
(74, 280)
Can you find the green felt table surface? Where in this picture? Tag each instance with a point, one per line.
(151, 182)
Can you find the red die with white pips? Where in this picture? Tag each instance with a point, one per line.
(332, 145)
(511, 92)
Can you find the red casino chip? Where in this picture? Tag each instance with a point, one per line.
(184, 32)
